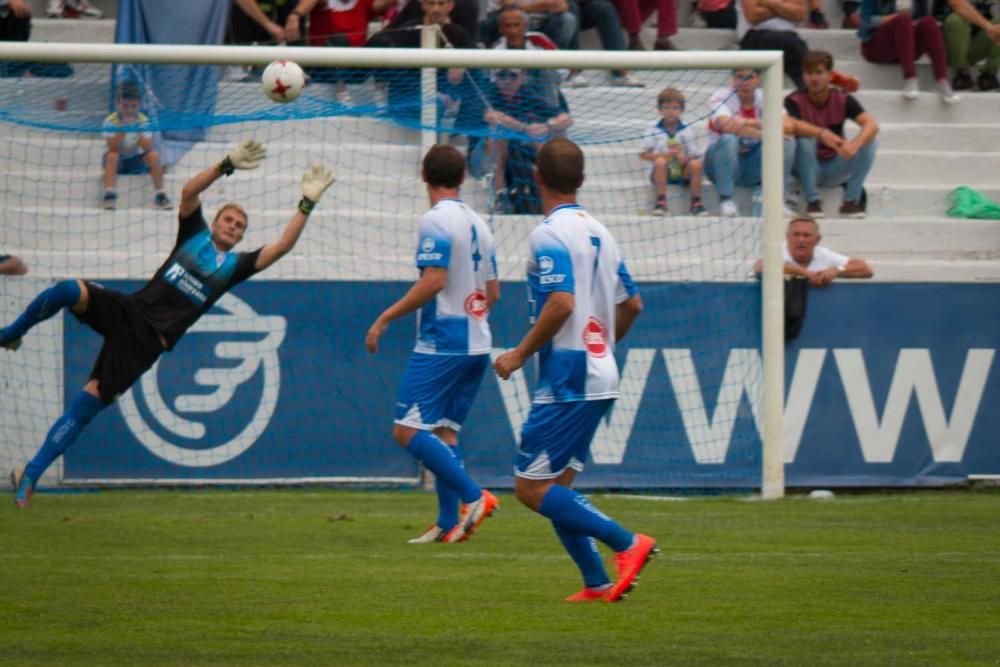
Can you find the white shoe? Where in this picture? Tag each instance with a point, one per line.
(948, 95)
(577, 80)
(434, 534)
(626, 81)
(911, 89)
(791, 210)
(54, 10)
(727, 209)
(84, 9)
(235, 73)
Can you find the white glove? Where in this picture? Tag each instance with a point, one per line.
(315, 181)
(247, 155)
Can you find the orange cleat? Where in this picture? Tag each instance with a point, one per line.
(845, 82)
(629, 564)
(473, 514)
(588, 595)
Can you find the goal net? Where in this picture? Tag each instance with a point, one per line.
(274, 385)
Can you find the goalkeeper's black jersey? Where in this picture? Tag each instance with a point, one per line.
(195, 276)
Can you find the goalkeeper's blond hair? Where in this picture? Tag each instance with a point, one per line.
(234, 207)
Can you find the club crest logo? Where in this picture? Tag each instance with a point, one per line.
(545, 264)
(475, 305)
(427, 245)
(185, 430)
(595, 338)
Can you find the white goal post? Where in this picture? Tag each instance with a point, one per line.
(768, 62)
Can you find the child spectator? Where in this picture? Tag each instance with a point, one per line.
(130, 146)
(673, 149)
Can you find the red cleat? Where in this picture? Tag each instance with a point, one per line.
(473, 514)
(588, 595)
(629, 564)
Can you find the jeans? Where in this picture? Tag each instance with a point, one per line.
(813, 172)
(727, 167)
(600, 14)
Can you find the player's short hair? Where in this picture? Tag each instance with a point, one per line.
(560, 165)
(129, 90)
(232, 206)
(668, 95)
(444, 166)
(814, 59)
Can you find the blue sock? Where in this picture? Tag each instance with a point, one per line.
(583, 550)
(567, 508)
(439, 459)
(64, 433)
(45, 305)
(447, 498)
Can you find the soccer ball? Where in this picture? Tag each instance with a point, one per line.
(283, 81)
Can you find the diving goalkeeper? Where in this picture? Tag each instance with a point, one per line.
(137, 328)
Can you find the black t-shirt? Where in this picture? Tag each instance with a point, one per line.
(407, 35)
(191, 280)
(464, 14)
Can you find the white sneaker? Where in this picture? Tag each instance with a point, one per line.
(434, 534)
(727, 209)
(84, 9)
(626, 81)
(577, 80)
(948, 95)
(911, 89)
(54, 10)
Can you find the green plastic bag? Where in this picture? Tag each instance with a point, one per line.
(967, 203)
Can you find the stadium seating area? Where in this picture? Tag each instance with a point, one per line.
(925, 149)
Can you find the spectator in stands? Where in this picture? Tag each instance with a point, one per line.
(15, 26)
(602, 15)
(847, 161)
(900, 32)
(268, 21)
(552, 18)
(805, 258)
(634, 13)
(513, 23)
(770, 24)
(464, 13)
(340, 23)
(674, 150)
(734, 150)
(72, 9)
(130, 146)
(516, 108)
(454, 84)
(12, 266)
(969, 38)
(718, 13)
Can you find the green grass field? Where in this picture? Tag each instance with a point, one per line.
(273, 578)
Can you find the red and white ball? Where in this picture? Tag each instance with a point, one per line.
(282, 81)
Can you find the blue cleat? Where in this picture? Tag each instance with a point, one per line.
(24, 486)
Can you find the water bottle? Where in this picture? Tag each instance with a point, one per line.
(756, 203)
(885, 203)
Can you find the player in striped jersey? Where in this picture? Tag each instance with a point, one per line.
(584, 301)
(457, 287)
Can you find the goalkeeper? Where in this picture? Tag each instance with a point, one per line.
(137, 328)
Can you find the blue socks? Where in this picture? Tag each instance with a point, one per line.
(447, 498)
(64, 433)
(571, 511)
(61, 295)
(583, 550)
(440, 460)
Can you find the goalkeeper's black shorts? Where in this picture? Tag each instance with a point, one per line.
(131, 345)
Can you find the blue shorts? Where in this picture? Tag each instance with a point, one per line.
(438, 389)
(557, 436)
(130, 166)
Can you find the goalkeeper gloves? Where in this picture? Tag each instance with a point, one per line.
(247, 155)
(315, 181)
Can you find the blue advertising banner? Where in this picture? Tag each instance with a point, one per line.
(887, 385)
